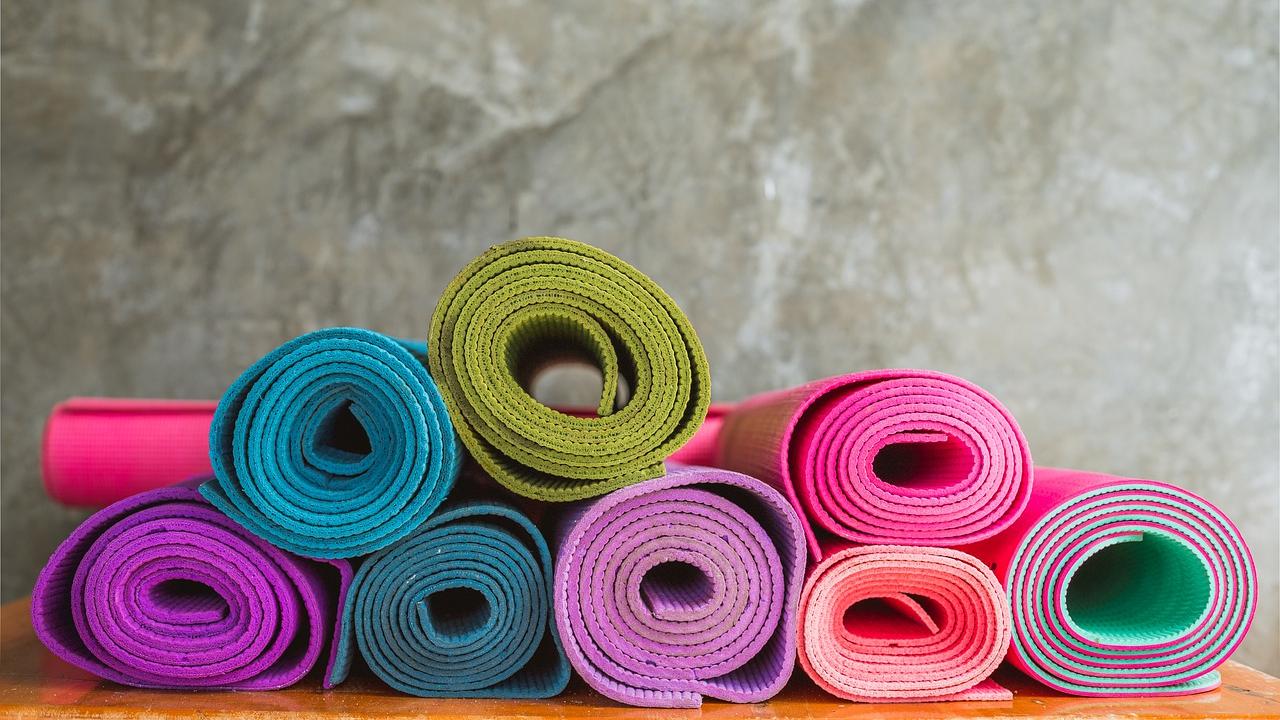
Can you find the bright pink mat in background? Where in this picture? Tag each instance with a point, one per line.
(100, 450)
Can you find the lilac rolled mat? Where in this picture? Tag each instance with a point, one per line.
(161, 590)
(682, 586)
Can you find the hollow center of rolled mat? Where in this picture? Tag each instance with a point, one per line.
(341, 434)
(923, 460)
(186, 602)
(565, 340)
(457, 612)
(902, 616)
(673, 588)
(1147, 589)
(574, 385)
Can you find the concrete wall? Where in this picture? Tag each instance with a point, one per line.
(1074, 204)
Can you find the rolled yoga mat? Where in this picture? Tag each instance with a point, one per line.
(906, 457)
(1122, 586)
(100, 450)
(460, 608)
(895, 623)
(680, 587)
(526, 305)
(336, 444)
(161, 590)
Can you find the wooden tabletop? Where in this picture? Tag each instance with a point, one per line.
(35, 684)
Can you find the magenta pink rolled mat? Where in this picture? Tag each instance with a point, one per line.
(679, 587)
(100, 450)
(907, 457)
(897, 623)
(1122, 586)
(161, 590)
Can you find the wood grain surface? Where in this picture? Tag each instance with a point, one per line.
(35, 684)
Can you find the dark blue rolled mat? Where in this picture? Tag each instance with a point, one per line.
(334, 445)
(460, 608)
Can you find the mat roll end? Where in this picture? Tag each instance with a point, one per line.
(681, 587)
(894, 623)
(1123, 587)
(529, 304)
(142, 593)
(902, 457)
(336, 444)
(459, 608)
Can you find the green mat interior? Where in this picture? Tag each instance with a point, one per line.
(1152, 586)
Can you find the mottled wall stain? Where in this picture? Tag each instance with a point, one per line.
(1073, 204)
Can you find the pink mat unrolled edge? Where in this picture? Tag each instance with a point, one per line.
(97, 451)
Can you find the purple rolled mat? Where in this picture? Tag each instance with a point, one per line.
(161, 590)
(682, 586)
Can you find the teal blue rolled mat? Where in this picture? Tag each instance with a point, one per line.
(334, 445)
(460, 608)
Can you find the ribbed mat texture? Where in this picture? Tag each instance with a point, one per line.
(526, 305)
(680, 587)
(334, 445)
(162, 590)
(460, 608)
(895, 623)
(907, 457)
(100, 450)
(1122, 586)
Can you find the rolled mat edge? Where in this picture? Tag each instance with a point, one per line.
(526, 304)
(1123, 586)
(847, 422)
(526, 666)
(732, 650)
(95, 451)
(278, 444)
(896, 623)
(174, 534)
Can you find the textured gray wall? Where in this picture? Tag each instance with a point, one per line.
(1072, 203)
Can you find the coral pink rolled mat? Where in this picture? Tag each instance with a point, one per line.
(906, 457)
(897, 623)
(1122, 586)
(100, 450)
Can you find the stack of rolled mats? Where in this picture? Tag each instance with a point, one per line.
(362, 501)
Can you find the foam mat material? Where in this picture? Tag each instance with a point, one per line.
(1122, 586)
(907, 457)
(460, 608)
(680, 587)
(161, 590)
(896, 623)
(336, 444)
(100, 450)
(527, 305)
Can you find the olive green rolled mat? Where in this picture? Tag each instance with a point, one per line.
(527, 305)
